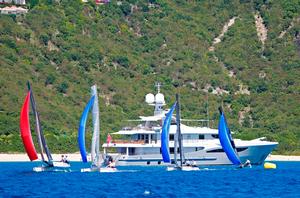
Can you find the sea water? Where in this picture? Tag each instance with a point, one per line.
(18, 180)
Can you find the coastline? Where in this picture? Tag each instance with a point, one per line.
(75, 157)
(283, 158)
(22, 157)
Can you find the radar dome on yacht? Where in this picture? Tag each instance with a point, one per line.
(149, 98)
(159, 98)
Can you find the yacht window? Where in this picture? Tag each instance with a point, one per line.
(188, 137)
(216, 151)
(123, 151)
(215, 136)
(131, 151)
(171, 136)
(221, 150)
(154, 138)
(160, 150)
(171, 150)
(241, 149)
(142, 136)
(201, 137)
(199, 148)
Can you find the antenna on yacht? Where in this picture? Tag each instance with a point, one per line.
(158, 100)
(158, 85)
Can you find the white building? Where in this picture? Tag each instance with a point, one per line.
(98, 1)
(17, 2)
(13, 10)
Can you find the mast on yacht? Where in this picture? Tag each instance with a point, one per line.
(158, 101)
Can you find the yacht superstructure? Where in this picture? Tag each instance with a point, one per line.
(141, 144)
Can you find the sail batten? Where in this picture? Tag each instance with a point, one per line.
(25, 129)
(227, 141)
(165, 136)
(81, 129)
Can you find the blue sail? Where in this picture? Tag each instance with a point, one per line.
(227, 141)
(165, 135)
(81, 129)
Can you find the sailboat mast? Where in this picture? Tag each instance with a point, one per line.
(96, 128)
(178, 129)
(36, 121)
(41, 138)
(175, 146)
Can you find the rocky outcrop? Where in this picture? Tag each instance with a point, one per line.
(262, 31)
(224, 30)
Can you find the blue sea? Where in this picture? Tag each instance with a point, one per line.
(18, 180)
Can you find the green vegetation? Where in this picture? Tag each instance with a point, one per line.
(63, 47)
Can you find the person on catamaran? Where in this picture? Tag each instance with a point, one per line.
(246, 164)
(62, 158)
(194, 164)
(66, 160)
(111, 164)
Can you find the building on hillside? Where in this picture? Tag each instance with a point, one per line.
(97, 1)
(102, 1)
(17, 2)
(13, 10)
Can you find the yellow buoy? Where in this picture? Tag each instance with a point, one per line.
(268, 165)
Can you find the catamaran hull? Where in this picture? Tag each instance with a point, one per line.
(256, 154)
(57, 167)
(102, 170)
(183, 168)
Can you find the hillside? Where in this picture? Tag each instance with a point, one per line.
(240, 53)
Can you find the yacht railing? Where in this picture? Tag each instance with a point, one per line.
(154, 142)
(128, 142)
(194, 141)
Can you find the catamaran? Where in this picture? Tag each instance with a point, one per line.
(141, 144)
(182, 164)
(48, 163)
(99, 163)
(227, 142)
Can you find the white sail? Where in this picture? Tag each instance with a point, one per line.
(96, 128)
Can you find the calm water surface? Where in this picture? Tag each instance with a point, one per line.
(18, 180)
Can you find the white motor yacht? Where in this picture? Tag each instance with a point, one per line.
(201, 145)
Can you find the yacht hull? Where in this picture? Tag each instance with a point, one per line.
(256, 154)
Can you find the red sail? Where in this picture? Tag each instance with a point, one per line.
(25, 130)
